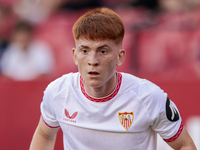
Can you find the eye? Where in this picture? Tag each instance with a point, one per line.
(103, 51)
(84, 51)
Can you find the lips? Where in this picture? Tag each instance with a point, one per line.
(93, 73)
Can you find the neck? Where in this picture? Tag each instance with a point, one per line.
(104, 90)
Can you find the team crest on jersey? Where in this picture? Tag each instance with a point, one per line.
(126, 119)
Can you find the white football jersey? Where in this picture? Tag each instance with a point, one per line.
(129, 118)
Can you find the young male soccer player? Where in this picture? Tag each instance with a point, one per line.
(98, 108)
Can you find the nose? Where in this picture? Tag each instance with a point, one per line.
(93, 60)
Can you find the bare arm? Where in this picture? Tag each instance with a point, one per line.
(184, 142)
(44, 137)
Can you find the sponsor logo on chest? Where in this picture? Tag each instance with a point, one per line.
(70, 118)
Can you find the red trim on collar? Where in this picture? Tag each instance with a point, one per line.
(104, 99)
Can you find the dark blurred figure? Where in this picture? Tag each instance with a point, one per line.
(80, 4)
(3, 45)
(7, 21)
(151, 5)
(25, 58)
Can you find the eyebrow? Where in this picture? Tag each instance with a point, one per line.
(100, 47)
(84, 46)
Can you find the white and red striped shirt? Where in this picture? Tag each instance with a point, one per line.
(129, 118)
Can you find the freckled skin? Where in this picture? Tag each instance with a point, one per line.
(97, 61)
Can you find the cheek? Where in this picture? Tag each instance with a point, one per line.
(81, 68)
(81, 62)
(80, 59)
(111, 63)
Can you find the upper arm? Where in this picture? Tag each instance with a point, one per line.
(46, 131)
(44, 137)
(183, 142)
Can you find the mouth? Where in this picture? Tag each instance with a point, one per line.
(93, 73)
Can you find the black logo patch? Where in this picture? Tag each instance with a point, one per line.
(171, 112)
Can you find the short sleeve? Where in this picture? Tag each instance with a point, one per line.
(165, 117)
(169, 124)
(47, 109)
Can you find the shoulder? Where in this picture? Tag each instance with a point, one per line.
(139, 86)
(148, 93)
(130, 82)
(63, 82)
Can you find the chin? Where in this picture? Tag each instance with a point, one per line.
(94, 84)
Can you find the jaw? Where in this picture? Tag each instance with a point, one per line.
(100, 87)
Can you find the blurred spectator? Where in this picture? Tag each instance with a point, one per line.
(36, 11)
(7, 21)
(171, 5)
(191, 4)
(3, 45)
(25, 58)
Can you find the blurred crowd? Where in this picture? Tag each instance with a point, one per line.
(162, 37)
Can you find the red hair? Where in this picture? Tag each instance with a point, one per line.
(99, 24)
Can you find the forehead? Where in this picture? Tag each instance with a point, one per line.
(95, 43)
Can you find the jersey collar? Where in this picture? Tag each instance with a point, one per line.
(103, 99)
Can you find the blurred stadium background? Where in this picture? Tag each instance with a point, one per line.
(162, 41)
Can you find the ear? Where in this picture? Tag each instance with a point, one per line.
(121, 57)
(74, 55)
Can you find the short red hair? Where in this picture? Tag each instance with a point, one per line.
(99, 24)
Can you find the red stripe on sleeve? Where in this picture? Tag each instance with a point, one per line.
(49, 125)
(176, 135)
